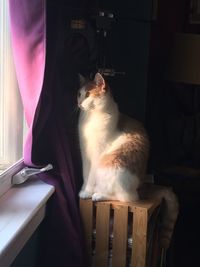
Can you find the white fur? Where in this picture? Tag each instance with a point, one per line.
(116, 184)
(99, 135)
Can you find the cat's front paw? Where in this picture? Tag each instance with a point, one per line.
(85, 194)
(97, 197)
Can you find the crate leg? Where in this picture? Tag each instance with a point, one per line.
(120, 230)
(139, 235)
(102, 234)
(86, 210)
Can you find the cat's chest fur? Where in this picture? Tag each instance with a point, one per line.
(98, 131)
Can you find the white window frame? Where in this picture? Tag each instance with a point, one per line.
(22, 207)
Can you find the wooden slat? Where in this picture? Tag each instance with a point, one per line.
(102, 234)
(86, 210)
(142, 210)
(149, 204)
(120, 228)
(139, 235)
(154, 249)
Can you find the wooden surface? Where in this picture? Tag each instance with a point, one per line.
(86, 210)
(102, 234)
(150, 205)
(120, 234)
(111, 217)
(139, 235)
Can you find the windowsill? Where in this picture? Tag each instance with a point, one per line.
(22, 209)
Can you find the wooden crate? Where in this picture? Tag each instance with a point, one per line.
(113, 220)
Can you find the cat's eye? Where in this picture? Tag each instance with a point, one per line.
(79, 94)
(87, 94)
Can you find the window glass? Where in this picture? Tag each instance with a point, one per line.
(11, 111)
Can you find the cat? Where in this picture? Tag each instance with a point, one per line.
(115, 151)
(114, 147)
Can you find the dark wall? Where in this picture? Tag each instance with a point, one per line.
(129, 49)
(171, 18)
(167, 103)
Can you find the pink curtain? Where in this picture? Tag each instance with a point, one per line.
(28, 27)
(36, 48)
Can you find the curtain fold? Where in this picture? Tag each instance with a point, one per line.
(28, 31)
(48, 97)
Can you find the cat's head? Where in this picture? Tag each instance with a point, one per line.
(92, 94)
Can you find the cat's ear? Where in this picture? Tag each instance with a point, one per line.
(81, 79)
(99, 80)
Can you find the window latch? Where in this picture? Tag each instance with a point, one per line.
(26, 172)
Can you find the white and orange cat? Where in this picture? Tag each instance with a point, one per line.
(114, 147)
(114, 150)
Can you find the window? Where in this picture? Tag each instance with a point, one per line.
(11, 111)
(19, 218)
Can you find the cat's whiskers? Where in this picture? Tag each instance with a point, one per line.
(75, 110)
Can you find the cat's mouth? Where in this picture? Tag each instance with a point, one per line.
(81, 106)
(91, 106)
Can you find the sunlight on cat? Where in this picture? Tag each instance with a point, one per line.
(109, 141)
(115, 151)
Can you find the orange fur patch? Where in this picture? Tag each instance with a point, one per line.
(110, 160)
(94, 90)
(130, 155)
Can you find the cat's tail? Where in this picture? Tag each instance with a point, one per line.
(169, 211)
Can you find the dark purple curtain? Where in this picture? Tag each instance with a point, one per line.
(47, 58)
